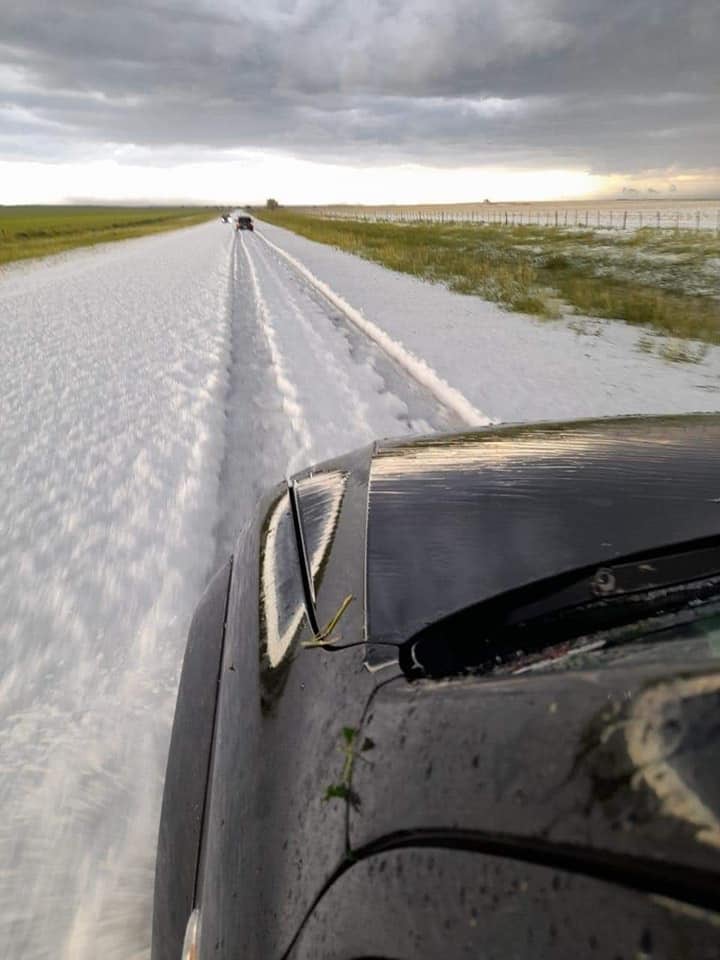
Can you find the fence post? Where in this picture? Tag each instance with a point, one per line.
(624, 219)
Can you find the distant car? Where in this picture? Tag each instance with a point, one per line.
(458, 698)
(225, 218)
(244, 223)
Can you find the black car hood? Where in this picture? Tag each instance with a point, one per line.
(454, 521)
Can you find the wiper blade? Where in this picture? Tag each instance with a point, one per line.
(496, 632)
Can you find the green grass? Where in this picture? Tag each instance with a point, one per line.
(43, 230)
(657, 279)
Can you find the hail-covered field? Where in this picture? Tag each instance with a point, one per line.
(622, 213)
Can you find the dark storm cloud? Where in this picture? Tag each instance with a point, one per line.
(622, 85)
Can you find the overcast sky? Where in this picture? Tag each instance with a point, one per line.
(357, 99)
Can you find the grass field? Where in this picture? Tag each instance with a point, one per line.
(665, 281)
(40, 231)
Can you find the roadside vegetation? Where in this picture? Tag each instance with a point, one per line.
(43, 230)
(665, 281)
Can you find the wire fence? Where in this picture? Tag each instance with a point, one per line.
(578, 217)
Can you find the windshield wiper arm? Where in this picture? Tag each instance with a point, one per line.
(494, 632)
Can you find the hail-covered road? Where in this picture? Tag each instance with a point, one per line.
(149, 391)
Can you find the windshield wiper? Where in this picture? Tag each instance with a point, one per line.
(527, 621)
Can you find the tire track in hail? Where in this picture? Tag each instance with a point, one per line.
(393, 402)
(286, 388)
(414, 367)
(318, 345)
